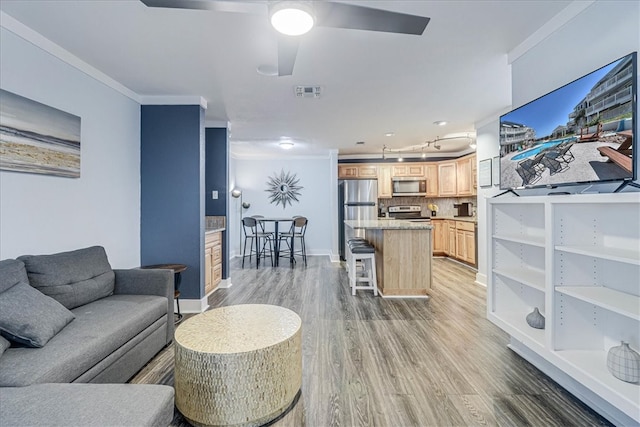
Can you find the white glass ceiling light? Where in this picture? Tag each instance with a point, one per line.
(292, 18)
(286, 145)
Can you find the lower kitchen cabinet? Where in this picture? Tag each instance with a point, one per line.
(466, 242)
(212, 260)
(438, 236)
(456, 239)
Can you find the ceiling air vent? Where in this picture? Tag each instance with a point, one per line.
(307, 91)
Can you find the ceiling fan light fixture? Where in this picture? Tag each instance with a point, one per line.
(292, 18)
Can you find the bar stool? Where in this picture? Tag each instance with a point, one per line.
(348, 254)
(257, 237)
(297, 231)
(362, 252)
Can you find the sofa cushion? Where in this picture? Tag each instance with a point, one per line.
(29, 317)
(87, 405)
(4, 344)
(72, 278)
(100, 328)
(12, 272)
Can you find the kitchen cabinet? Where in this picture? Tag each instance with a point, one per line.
(447, 186)
(575, 258)
(464, 179)
(431, 176)
(451, 238)
(367, 171)
(438, 236)
(212, 260)
(408, 169)
(385, 186)
(347, 171)
(451, 178)
(364, 171)
(465, 241)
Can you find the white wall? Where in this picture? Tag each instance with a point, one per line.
(46, 214)
(317, 202)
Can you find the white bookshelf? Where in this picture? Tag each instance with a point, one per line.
(576, 258)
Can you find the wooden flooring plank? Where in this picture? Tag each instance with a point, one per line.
(369, 361)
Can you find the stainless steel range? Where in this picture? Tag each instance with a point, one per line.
(408, 212)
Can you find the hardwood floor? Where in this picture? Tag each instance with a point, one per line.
(396, 362)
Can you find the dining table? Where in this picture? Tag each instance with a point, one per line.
(277, 220)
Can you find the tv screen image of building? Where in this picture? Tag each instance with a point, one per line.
(580, 133)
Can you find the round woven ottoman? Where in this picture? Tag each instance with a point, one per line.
(238, 365)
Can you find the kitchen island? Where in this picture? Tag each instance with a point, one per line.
(403, 255)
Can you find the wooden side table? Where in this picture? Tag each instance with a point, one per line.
(238, 365)
(177, 279)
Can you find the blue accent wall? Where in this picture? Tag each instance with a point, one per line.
(217, 178)
(171, 187)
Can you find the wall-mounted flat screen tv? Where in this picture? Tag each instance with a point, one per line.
(580, 133)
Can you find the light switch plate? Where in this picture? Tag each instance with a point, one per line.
(214, 195)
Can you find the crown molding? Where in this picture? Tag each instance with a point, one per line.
(16, 27)
(173, 100)
(551, 26)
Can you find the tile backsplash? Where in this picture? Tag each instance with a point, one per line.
(445, 204)
(214, 222)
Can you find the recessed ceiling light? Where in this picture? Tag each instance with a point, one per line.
(292, 18)
(389, 134)
(440, 123)
(286, 145)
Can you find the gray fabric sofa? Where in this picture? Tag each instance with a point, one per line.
(69, 318)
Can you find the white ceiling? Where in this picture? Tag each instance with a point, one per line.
(372, 83)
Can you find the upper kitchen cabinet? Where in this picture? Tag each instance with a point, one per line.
(409, 169)
(431, 176)
(364, 171)
(464, 176)
(447, 179)
(385, 187)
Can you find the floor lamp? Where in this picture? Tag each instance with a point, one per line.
(235, 193)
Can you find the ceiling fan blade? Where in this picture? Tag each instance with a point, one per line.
(340, 15)
(287, 51)
(215, 5)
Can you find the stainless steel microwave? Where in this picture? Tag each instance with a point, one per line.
(409, 186)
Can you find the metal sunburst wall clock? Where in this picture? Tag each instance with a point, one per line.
(284, 189)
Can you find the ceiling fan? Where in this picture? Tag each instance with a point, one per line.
(314, 13)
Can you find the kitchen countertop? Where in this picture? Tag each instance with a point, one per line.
(213, 230)
(386, 224)
(473, 219)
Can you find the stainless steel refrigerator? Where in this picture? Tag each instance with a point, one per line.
(358, 200)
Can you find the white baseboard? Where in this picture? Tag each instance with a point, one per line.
(224, 284)
(481, 279)
(591, 399)
(192, 305)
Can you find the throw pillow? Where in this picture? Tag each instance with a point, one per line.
(29, 317)
(12, 272)
(72, 278)
(4, 344)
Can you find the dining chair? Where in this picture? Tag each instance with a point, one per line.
(297, 231)
(262, 225)
(256, 237)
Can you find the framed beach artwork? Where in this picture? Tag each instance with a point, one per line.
(36, 138)
(495, 170)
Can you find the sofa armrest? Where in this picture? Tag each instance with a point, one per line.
(148, 282)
